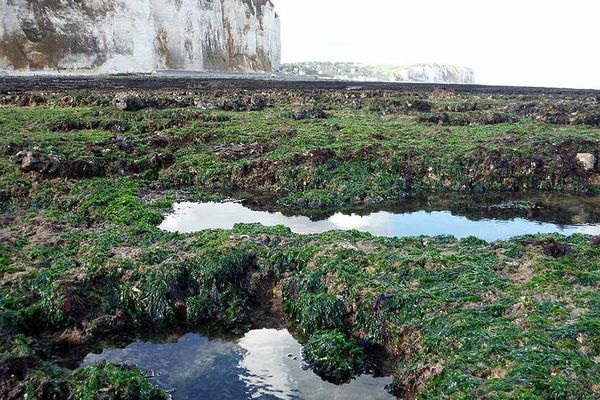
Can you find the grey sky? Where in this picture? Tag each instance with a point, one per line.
(513, 42)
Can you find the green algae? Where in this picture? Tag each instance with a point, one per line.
(334, 357)
(82, 259)
(107, 381)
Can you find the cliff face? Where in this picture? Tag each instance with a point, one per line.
(432, 73)
(139, 35)
(436, 73)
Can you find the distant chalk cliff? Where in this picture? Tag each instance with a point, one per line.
(139, 35)
(431, 73)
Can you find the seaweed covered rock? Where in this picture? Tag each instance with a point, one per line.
(313, 309)
(36, 161)
(24, 377)
(555, 249)
(51, 165)
(306, 112)
(128, 102)
(243, 103)
(153, 163)
(108, 381)
(334, 357)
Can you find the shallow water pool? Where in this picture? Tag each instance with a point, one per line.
(489, 220)
(263, 364)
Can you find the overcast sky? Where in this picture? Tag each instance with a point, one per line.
(512, 42)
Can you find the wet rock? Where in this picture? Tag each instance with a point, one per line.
(555, 249)
(10, 149)
(107, 324)
(257, 103)
(237, 151)
(128, 102)
(36, 161)
(492, 118)
(419, 105)
(586, 160)
(436, 118)
(16, 367)
(82, 169)
(69, 124)
(244, 103)
(315, 156)
(333, 356)
(156, 162)
(592, 120)
(52, 165)
(379, 302)
(162, 160)
(305, 112)
(523, 109)
(596, 241)
(204, 104)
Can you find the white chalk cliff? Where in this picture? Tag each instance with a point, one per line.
(435, 73)
(139, 35)
(430, 73)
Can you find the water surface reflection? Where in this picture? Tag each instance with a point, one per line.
(499, 220)
(264, 364)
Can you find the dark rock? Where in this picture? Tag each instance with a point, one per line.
(436, 118)
(523, 109)
(128, 102)
(238, 151)
(304, 112)
(51, 165)
(82, 169)
(231, 105)
(156, 162)
(162, 160)
(596, 241)
(419, 105)
(243, 103)
(592, 120)
(107, 324)
(555, 249)
(16, 366)
(36, 161)
(10, 149)
(315, 156)
(257, 103)
(379, 302)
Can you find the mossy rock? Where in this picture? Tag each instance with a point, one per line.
(315, 311)
(109, 381)
(334, 357)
